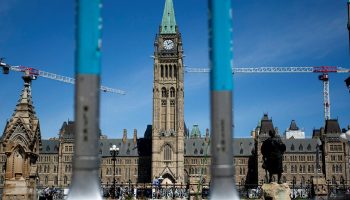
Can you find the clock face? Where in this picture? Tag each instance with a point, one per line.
(168, 44)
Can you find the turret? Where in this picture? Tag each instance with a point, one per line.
(125, 136)
(135, 136)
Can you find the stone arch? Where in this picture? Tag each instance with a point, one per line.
(164, 93)
(166, 143)
(172, 92)
(20, 140)
(16, 160)
(168, 179)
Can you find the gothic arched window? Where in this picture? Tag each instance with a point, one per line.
(334, 181)
(167, 152)
(301, 148)
(170, 71)
(172, 92)
(292, 147)
(166, 71)
(162, 71)
(175, 71)
(163, 92)
(195, 152)
(56, 180)
(65, 180)
(309, 147)
(46, 180)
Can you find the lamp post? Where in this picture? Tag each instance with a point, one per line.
(114, 150)
(301, 187)
(160, 180)
(345, 138)
(129, 187)
(328, 182)
(308, 187)
(293, 183)
(318, 145)
(174, 190)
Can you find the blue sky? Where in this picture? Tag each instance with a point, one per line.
(40, 34)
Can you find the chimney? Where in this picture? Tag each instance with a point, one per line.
(125, 136)
(135, 136)
(207, 136)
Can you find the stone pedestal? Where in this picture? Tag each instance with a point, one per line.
(274, 191)
(18, 189)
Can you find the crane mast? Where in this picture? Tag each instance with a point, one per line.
(319, 69)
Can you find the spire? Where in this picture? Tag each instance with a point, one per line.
(168, 21)
(293, 126)
(195, 133)
(24, 110)
(25, 103)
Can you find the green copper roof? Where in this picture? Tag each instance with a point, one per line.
(195, 133)
(168, 21)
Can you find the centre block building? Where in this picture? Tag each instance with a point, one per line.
(168, 149)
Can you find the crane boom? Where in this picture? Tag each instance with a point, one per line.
(34, 73)
(320, 69)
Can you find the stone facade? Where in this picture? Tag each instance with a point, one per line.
(135, 159)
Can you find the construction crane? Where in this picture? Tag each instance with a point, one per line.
(35, 73)
(321, 69)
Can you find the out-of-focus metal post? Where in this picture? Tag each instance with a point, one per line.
(114, 152)
(348, 25)
(221, 86)
(85, 182)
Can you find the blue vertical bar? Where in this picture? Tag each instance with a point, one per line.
(88, 37)
(86, 161)
(220, 45)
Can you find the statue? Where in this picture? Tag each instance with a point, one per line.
(272, 150)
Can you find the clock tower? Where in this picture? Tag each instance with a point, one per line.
(168, 101)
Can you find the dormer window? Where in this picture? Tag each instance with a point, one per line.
(309, 147)
(301, 147)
